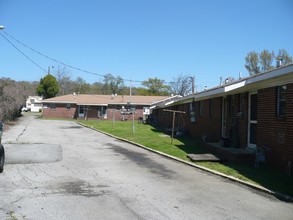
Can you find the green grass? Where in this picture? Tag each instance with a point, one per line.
(155, 139)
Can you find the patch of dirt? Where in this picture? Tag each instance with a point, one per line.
(9, 124)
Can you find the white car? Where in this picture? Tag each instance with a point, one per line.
(24, 109)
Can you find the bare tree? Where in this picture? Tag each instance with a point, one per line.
(80, 86)
(181, 85)
(64, 80)
(12, 97)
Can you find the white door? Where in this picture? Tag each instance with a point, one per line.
(81, 111)
(252, 120)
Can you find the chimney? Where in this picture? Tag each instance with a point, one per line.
(240, 75)
(279, 62)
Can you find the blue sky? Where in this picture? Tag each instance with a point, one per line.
(141, 39)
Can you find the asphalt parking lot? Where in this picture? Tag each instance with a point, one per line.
(62, 170)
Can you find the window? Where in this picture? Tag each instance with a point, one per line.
(146, 110)
(281, 100)
(52, 106)
(68, 106)
(104, 110)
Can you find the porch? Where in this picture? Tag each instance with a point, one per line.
(219, 153)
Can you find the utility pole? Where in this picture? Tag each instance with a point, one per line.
(130, 89)
(49, 68)
(192, 84)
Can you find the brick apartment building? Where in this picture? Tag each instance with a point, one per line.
(100, 106)
(250, 112)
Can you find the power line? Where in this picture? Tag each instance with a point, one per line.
(23, 53)
(53, 59)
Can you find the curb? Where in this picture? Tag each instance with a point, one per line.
(280, 196)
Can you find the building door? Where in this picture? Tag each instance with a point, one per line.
(81, 111)
(252, 120)
(102, 112)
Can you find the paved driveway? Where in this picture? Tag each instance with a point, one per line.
(61, 170)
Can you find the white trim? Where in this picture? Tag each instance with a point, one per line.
(235, 86)
(92, 104)
(249, 121)
(169, 103)
(275, 77)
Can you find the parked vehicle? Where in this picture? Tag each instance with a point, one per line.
(24, 109)
(2, 152)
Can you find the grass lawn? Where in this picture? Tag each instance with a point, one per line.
(155, 139)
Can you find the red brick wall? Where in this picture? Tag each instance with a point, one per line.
(275, 131)
(208, 122)
(118, 116)
(60, 111)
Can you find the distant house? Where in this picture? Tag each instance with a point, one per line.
(119, 107)
(34, 103)
(250, 112)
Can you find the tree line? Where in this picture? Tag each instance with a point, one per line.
(263, 61)
(13, 94)
(60, 83)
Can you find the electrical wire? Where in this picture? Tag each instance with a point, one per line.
(23, 53)
(53, 59)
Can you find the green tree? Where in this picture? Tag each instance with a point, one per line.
(284, 57)
(256, 63)
(112, 85)
(142, 91)
(96, 88)
(48, 87)
(252, 65)
(80, 86)
(266, 60)
(156, 86)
